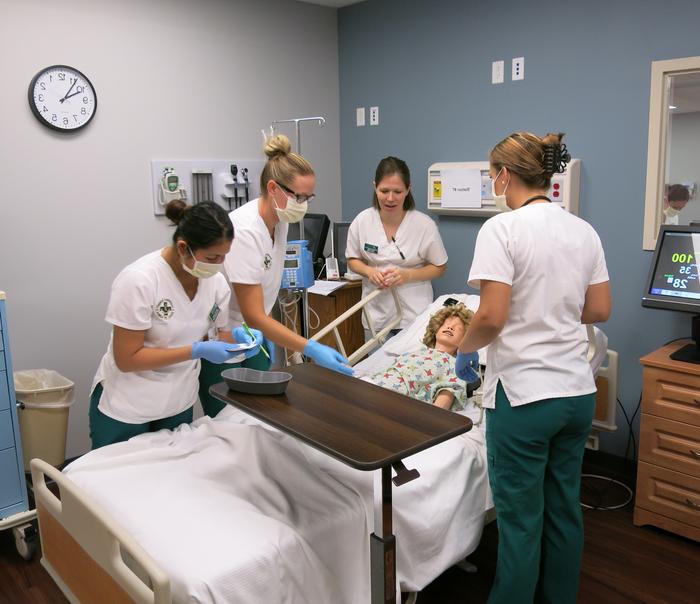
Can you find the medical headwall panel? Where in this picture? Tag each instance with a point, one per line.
(464, 188)
(228, 182)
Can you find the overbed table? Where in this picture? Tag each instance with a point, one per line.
(364, 426)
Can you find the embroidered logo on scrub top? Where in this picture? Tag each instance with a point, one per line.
(165, 309)
(267, 262)
(372, 249)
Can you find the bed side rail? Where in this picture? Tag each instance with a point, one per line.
(91, 558)
(378, 337)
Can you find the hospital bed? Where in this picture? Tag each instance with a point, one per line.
(232, 510)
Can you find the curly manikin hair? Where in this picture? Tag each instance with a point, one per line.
(436, 321)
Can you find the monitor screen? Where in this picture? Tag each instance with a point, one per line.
(315, 232)
(340, 241)
(673, 281)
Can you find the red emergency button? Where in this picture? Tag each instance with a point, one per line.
(555, 194)
(556, 185)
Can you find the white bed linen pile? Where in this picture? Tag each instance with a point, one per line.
(235, 511)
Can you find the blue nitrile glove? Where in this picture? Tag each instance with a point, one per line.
(240, 336)
(269, 345)
(213, 351)
(327, 357)
(467, 366)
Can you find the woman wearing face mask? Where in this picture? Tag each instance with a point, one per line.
(167, 310)
(254, 265)
(542, 273)
(394, 245)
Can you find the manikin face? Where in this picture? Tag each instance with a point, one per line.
(449, 335)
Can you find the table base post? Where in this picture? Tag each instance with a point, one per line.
(382, 543)
(383, 563)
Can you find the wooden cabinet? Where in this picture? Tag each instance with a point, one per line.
(13, 495)
(668, 475)
(329, 308)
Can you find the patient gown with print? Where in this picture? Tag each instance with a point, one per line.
(422, 375)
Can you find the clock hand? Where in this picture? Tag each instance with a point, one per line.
(70, 95)
(66, 96)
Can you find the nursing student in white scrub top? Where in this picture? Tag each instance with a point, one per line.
(542, 273)
(256, 260)
(167, 309)
(393, 245)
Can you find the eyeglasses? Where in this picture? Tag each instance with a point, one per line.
(300, 197)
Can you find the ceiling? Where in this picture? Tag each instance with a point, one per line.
(333, 3)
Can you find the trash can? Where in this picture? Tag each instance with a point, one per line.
(44, 397)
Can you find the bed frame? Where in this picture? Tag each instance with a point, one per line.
(93, 559)
(89, 556)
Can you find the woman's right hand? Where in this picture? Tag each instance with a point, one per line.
(214, 351)
(376, 277)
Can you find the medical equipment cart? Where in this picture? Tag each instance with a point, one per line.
(364, 426)
(14, 504)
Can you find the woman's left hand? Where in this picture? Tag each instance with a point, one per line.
(396, 276)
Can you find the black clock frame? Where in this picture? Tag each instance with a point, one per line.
(37, 113)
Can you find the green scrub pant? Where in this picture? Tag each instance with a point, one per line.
(210, 374)
(535, 452)
(106, 431)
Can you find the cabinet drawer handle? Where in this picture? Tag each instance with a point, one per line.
(696, 401)
(692, 504)
(695, 454)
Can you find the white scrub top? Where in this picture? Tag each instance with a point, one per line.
(549, 257)
(254, 258)
(419, 241)
(147, 296)
(671, 219)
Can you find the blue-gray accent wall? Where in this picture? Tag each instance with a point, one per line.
(427, 65)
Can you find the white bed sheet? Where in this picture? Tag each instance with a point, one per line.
(236, 511)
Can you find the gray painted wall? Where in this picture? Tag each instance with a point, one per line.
(427, 65)
(174, 79)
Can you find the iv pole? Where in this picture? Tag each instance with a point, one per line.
(297, 121)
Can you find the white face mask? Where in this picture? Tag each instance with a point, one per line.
(671, 212)
(201, 270)
(294, 211)
(500, 200)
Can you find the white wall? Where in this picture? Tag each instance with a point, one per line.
(174, 79)
(685, 159)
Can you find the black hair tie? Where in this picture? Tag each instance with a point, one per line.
(555, 158)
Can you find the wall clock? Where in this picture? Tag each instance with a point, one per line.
(62, 98)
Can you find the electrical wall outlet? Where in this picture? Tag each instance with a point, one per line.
(497, 69)
(374, 116)
(360, 116)
(518, 68)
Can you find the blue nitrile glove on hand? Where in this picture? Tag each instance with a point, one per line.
(269, 345)
(213, 351)
(467, 366)
(327, 357)
(240, 336)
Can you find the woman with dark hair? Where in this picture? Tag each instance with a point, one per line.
(167, 310)
(542, 273)
(392, 244)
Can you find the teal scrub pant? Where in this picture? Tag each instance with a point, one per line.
(210, 374)
(535, 452)
(106, 431)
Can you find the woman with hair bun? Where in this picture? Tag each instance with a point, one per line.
(542, 273)
(254, 265)
(168, 310)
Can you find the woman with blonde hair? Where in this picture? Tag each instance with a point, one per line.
(542, 273)
(254, 265)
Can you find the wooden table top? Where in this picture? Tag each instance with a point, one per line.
(364, 426)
